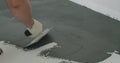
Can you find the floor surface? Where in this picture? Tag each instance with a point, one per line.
(82, 34)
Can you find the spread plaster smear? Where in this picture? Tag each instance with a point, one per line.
(12, 54)
(115, 58)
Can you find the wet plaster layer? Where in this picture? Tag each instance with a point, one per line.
(82, 34)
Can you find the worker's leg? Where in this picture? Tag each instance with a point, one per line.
(22, 11)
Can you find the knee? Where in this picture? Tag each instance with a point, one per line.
(14, 3)
(16, 6)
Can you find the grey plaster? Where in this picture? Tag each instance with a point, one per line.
(84, 35)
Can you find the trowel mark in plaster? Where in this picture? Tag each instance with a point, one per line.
(47, 51)
(14, 55)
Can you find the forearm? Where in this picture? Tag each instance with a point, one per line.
(21, 10)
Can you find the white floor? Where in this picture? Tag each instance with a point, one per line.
(115, 58)
(13, 54)
(106, 9)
